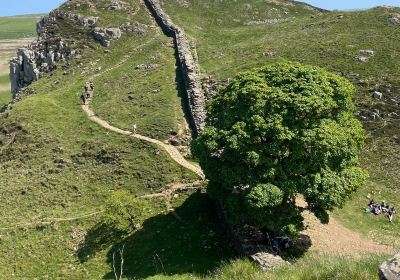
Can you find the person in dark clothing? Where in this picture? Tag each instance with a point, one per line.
(275, 246)
(83, 99)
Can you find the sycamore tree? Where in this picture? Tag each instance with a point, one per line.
(274, 133)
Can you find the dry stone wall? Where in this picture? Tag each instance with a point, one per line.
(190, 71)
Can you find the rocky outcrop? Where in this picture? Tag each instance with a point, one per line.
(394, 20)
(190, 71)
(390, 270)
(34, 60)
(105, 35)
(84, 21)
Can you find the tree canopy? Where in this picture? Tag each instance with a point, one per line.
(125, 212)
(276, 132)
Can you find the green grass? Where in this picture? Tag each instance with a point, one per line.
(18, 27)
(227, 45)
(5, 96)
(56, 163)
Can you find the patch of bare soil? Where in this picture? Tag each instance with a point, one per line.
(335, 239)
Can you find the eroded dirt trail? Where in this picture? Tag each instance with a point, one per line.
(171, 150)
(335, 239)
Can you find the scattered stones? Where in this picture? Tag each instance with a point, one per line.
(367, 52)
(85, 21)
(394, 20)
(137, 28)
(390, 270)
(146, 66)
(267, 261)
(269, 53)
(377, 95)
(116, 5)
(267, 21)
(362, 59)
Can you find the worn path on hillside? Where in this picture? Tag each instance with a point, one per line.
(171, 150)
(335, 239)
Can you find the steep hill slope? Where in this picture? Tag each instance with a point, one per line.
(58, 167)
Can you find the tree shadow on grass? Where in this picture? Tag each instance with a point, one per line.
(98, 238)
(164, 244)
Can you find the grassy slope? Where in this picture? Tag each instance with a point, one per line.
(5, 95)
(55, 163)
(71, 179)
(226, 45)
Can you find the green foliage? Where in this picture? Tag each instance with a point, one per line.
(125, 212)
(278, 131)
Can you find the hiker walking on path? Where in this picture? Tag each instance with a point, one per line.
(134, 128)
(390, 214)
(83, 99)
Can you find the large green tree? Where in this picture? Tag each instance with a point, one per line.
(276, 132)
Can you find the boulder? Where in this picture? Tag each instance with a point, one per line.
(377, 95)
(104, 35)
(390, 270)
(116, 5)
(394, 20)
(115, 33)
(267, 261)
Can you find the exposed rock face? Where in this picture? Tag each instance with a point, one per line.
(85, 21)
(104, 35)
(41, 56)
(187, 64)
(35, 59)
(390, 270)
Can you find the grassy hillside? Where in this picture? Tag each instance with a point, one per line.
(56, 164)
(243, 37)
(58, 167)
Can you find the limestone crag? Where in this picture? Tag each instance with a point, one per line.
(190, 71)
(34, 60)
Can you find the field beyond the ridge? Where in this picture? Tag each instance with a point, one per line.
(15, 32)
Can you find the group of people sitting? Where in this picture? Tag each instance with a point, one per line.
(382, 208)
